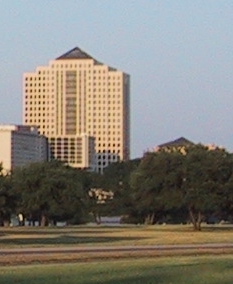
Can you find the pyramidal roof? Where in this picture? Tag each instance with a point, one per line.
(178, 142)
(75, 53)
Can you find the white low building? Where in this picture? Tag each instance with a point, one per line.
(21, 145)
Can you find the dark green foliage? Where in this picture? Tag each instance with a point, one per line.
(196, 181)
(117, 179)
(206, 174)
(158, 178)
(8, 199)
(50, 191)
(189, 185)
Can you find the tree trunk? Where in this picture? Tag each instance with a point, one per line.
(199, 219)
(6, 223)
(97, 218)
(149, 220)
(152, 217)
(43, 221)
(196, 220)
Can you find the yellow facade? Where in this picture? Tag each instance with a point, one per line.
(76, 95)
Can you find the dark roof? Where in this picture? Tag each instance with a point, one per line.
(176, 143)
(75, 53)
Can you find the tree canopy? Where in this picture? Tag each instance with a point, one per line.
(49, 191)
(194, 181)
(192, 184)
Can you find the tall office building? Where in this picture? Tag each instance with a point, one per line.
(76, 96)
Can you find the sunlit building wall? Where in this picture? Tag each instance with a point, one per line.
(77, 95)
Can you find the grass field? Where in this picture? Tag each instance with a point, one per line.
(101, 236)
(172, 270)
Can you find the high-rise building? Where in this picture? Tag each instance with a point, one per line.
(20, 146)
(77, 96)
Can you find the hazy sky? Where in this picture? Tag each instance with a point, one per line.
(179, 54)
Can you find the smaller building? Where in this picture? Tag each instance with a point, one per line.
(78, 151)
(21, 145)
(179, 145)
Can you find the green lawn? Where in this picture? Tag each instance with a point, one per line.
(172, 270)
(102, 236)
(206, 269)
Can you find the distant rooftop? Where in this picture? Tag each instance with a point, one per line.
(75, 53)
(178, 142)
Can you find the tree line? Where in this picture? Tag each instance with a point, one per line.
(192, 185)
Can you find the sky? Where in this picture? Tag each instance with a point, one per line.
(179, 55)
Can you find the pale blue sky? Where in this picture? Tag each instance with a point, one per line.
(179, 54)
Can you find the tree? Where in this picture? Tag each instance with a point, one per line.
(192, 181)
(117, 179)
(8, 199)
(155, 184)
(49, 191)
(206, 174)
(225, 211)
(99, 200)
